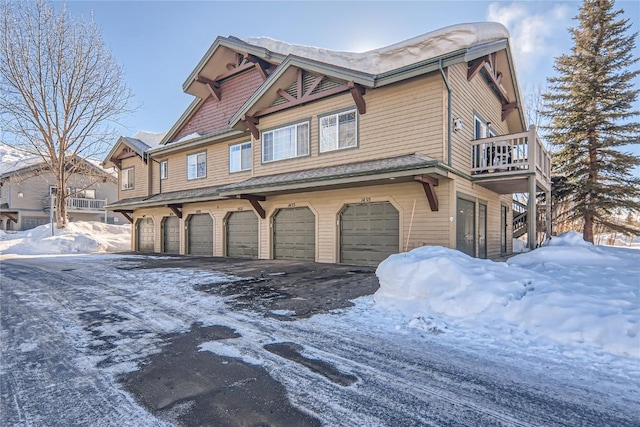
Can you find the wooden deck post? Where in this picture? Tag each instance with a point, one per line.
(531, 213)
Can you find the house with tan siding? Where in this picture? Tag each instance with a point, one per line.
(293, 152)
(28, 190)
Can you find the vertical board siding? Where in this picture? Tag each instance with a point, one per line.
(469, 98)
(213, 114)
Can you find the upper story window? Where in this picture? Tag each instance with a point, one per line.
(240, 157)
(285, 142)
(338, 131)
(197, 165)
(164, 169)
(127, 179)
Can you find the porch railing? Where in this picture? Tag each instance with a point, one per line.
(510, 154)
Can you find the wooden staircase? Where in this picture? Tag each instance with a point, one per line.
(521, 218)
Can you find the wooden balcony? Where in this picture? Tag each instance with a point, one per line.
(505, 163)
(81, 204)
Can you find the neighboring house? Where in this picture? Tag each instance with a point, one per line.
(27, 188)
(292, 152)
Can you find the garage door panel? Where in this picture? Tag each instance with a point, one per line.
(145, 229)
(171, 235)
(200, 234)
(242, 234)
(369, 233)
(294, 234)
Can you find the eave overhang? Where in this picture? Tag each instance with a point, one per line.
(216, 136)
(227, 46)
(108, 160)
(286, 70)
(166, 200)
(324, 179)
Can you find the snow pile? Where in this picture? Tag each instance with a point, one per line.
(76, 237)
(570, 292)
(408, 52)
(152, 139)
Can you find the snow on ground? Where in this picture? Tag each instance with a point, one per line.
(579, 299)
(76, 237)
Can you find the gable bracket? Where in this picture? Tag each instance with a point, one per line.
(299, 101)
(10, 216)
(357, 91)
(508, 108)
(251, 123)
(126, 214)
(255, 203)
(212, 85)
(176, 210)
(429, 184)
(117, 162)
(476, 65)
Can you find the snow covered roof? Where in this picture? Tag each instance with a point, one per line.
(398, 55)
(151, 139)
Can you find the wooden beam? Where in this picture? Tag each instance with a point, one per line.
(314, 85)
(126, 214)
(315, 96)
(255, 203)
(176, 210)
(286, 95)
(10, 216)
(117, 162)
(508, 108)
(475, 66)
(126, 154)
(356, 92)
(212, 85)
(251, 123)
(299, 93)
(428, 184)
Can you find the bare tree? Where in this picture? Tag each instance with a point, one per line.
(61, 91)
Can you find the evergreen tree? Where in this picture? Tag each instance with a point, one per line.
(589, 104)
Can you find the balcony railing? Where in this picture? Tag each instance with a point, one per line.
(511, 154)
(82, 204)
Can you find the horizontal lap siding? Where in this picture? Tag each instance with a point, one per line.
(141, 179)
(213, 114)
(217, 168)
(468, 98)
(401, 119)
(428, 228)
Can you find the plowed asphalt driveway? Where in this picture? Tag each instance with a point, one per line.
(123, 340)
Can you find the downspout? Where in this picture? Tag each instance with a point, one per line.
(446, 83)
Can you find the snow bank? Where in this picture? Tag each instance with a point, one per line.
(570, 292)
(76, 237)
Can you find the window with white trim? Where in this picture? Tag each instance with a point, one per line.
(240, 157)
(338, 131)
(164, 169)
(197, 165)
(285, 142)
(127, 179)
(481, 129)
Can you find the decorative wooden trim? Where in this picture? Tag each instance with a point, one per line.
(126, 214)
(176, 209)
(356, 92)
(117, 162)
(234, 70)
(286, 95)
(255, 203)
(428, 184)
(508, 108)
(212, 85)
(475, 66)
(305, 98)
(10, 216)
(126, 153)
(251, 123)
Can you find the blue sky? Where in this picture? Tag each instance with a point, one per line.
(160, 42)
